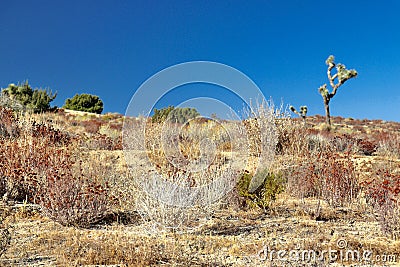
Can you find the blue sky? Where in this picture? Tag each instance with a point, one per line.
(109, 48)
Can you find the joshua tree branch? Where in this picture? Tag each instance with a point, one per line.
(335, 89)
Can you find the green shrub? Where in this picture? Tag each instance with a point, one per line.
(84, 102)
(179, 115)
(160, 115)
(41, 101)
(262, 189)
(37, 100)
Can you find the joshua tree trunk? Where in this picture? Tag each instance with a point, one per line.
(304, 122)
(327, 113)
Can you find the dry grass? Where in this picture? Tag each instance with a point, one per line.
(227, 234)
(229, 238)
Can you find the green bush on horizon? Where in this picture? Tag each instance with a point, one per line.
(178, 115)
(37, 100)
(85, 102)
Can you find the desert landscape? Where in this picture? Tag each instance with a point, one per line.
(199, 133)
(70, 200)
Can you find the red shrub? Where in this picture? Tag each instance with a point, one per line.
(92, 126)
(102, 142)
(35, 167)
(54, 136)
(8, 123)
(71, 200)
(383, 188)
(366, 147)
(383, 192)
(325, 174)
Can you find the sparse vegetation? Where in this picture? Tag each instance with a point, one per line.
(68, 197)
(383, 192)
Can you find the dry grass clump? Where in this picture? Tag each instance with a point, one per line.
(389, 145)
(186, 171)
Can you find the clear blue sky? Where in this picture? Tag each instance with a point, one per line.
(109, 48)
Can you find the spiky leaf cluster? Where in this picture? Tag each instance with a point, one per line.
(330, 60)
(323, 90)
(303, 111)
(344, 74)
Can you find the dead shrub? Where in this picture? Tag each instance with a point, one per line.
(8, 123)
(91, 126)
(35, 167)
(388, 144)
(366, 147)
(325, 174)
(383, 192)
(101, 142)
(22, 163)
(52, 135)
(72, 200)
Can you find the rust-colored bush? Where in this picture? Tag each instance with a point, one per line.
(35, 167)
(52, 135)
(366, 147)
(101, 142)
(72, 199)
(91, 126)
(8, 123)
(383, 192)
(325, 174)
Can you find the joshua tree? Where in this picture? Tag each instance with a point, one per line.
(302, 113)
(342, 75)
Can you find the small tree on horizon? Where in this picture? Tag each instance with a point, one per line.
(177, 115)
(84, 102)
(37, 100)
(302, 113)
(342, 75)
